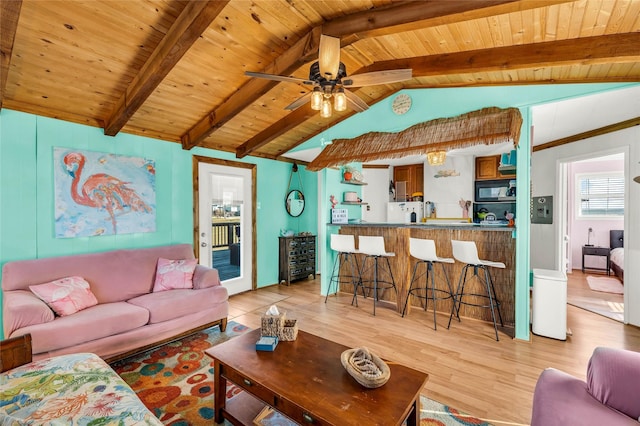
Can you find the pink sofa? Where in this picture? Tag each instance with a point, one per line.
(608, 397)
(128, 316)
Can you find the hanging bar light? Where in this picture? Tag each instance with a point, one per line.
(436, 158)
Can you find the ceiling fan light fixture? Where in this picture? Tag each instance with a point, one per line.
(328, 77)
(436, 158)
(316, 99)
(340, 100)
(325, 112)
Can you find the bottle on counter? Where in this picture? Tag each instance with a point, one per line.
(414, 217)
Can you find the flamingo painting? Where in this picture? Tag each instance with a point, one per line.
(103, 192)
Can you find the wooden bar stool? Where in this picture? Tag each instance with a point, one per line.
(467, 252)
(373, 248)
(345, 246)
(425, 252)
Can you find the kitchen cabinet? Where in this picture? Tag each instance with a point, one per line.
(413, 174)
(489, 168)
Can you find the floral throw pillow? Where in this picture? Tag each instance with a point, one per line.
(66, 296)
(174, 274)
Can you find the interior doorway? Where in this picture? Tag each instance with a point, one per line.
(224, 220)
(592, 203)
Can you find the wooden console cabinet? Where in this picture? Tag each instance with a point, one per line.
(297, 258)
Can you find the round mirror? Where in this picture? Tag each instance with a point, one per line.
(294, 203)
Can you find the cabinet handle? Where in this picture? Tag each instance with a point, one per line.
(247, 382)
(307, 418)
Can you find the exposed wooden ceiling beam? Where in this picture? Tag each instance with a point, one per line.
(589, 134)
(297, 55)
(416, 15)
(397, 18)
(581, 51)
(9, 14)
(188, 27)
(279, 128)
(601, 48)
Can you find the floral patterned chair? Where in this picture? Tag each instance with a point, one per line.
(74, 389)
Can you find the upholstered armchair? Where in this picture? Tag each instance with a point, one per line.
(610, 396)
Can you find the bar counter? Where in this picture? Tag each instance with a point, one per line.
(495, 243)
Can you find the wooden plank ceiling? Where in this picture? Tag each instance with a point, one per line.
(174, 69)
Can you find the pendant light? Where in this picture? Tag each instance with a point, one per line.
(436, 158)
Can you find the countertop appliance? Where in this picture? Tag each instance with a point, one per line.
(400, 212)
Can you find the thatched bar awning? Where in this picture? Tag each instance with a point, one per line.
(486, 126)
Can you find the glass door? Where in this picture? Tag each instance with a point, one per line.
(225, 223)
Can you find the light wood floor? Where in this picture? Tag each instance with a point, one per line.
(579, 294)
(467, 368)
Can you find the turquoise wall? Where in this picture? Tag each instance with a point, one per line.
(27, 203)
(332, 185)
(26, 189)
(272, 188)
(429, 104)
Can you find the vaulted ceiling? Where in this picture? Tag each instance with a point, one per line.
(174, 69)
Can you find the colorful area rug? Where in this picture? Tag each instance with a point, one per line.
(175, 382)
(605, 284)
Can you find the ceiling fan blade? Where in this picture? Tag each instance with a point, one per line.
(355, 102)
(377, 77)
(329, 56)
(299, 102)
(279, 78)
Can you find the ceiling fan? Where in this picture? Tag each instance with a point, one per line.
(328, 76)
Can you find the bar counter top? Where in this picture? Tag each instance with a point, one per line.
(444, 224)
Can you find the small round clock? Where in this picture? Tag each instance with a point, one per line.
(401, 104)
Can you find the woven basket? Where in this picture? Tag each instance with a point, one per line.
(272, 325)
(367, 368)
(289, 331)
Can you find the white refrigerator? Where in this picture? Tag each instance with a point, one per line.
(400, 212)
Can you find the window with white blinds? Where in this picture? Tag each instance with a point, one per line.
(600, 195)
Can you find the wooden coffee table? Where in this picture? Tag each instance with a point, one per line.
(305, 380)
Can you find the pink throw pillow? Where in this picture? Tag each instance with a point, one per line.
(174, 274)
(66, 296)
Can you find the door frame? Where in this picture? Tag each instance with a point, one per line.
(197, 159)
(562, 214)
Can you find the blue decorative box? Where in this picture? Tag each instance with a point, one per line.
(267, 343)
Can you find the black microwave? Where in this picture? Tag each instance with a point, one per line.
(495, 190)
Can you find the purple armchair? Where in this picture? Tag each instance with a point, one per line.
(611, 395)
